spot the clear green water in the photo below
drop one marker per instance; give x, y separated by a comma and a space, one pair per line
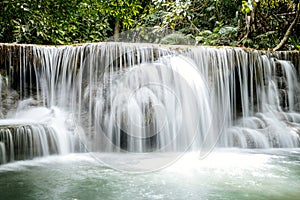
224, 174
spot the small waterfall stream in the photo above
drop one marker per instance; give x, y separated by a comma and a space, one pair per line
117, 97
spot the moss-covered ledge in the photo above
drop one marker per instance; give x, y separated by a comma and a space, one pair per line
13, 47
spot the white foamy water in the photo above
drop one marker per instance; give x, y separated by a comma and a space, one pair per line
118, 97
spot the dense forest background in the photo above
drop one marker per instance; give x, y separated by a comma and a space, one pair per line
260, 24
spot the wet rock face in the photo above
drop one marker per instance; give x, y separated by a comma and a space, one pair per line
9, 98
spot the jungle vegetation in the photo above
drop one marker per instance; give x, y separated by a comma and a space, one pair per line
260, 24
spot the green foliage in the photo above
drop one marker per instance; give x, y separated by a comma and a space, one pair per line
267, 21
276, 3
294, 42
172, 12
251, 23
263, 41
245, 7
191, 17
122, 10
52, 21
221, 35
178, 39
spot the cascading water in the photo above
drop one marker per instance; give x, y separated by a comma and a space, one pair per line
2, 153
35, 132
254, 95
140, 97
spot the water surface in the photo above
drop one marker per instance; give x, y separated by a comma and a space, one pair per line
224, 174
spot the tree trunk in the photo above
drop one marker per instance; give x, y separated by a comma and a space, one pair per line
117, 30
288, 32
254, 16
247, 27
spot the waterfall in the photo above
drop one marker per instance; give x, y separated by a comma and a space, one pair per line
144, 98
2, 153
163, 105
34, 132
255, 95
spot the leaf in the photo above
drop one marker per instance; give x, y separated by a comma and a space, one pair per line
205, 33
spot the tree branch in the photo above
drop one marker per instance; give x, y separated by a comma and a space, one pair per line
288, 32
